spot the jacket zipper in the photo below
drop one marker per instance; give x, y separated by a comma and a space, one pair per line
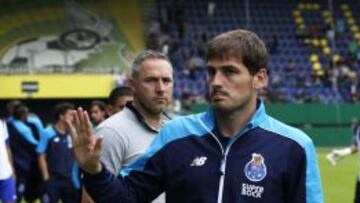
222, 165
223, 160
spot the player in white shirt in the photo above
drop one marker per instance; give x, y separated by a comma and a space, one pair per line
7, 181
335, 155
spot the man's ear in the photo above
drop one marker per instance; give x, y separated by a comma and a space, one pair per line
131, 82
261, 79
109, 110
61, 117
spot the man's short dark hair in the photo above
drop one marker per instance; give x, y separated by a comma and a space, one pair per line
62, 108
119, 92
10, 106
19, 111
98, 103
242, 45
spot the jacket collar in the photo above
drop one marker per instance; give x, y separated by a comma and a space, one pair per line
257, 118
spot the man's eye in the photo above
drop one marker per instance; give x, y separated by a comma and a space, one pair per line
167, 81
229, 72
151, 80
211, 72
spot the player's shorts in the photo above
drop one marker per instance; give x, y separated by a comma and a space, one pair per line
33, 185
7, 190
63, 189
28, 184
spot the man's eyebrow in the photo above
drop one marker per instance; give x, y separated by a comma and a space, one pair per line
228, 67
222, 67
152, 77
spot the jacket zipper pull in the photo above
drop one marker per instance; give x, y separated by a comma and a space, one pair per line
222, 166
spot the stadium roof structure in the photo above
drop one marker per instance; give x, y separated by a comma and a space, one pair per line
85, 31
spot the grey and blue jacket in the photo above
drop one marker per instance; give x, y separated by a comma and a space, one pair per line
267, 161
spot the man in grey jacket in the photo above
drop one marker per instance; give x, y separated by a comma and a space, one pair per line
128, 133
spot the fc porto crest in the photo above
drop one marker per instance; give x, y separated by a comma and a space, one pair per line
255, 169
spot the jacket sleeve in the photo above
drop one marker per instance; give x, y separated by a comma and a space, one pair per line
314, 193
137, 186
303, 184
141, 181
104, 187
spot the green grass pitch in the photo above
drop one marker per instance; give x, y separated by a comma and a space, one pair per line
338, 181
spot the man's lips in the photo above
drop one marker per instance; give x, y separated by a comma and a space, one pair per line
218, 94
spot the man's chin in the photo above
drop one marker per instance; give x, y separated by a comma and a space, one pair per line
218, 103
159, 109
220, 107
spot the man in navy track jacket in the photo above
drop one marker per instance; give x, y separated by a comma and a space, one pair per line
234, 152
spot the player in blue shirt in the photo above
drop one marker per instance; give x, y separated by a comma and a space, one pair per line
25, 131
58, 167
233, 153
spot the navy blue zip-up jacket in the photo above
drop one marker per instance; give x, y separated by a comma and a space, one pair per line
267, 161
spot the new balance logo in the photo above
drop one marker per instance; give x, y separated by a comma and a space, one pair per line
199, 161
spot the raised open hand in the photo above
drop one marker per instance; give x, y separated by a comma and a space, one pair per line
86, 147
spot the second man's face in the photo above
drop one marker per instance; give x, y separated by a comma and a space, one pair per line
96, 114
121, 102
153, 86
68, 115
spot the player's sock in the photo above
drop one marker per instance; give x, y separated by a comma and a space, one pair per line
332, 158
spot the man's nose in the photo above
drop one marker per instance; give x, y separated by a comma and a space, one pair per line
216, 79
160, 86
